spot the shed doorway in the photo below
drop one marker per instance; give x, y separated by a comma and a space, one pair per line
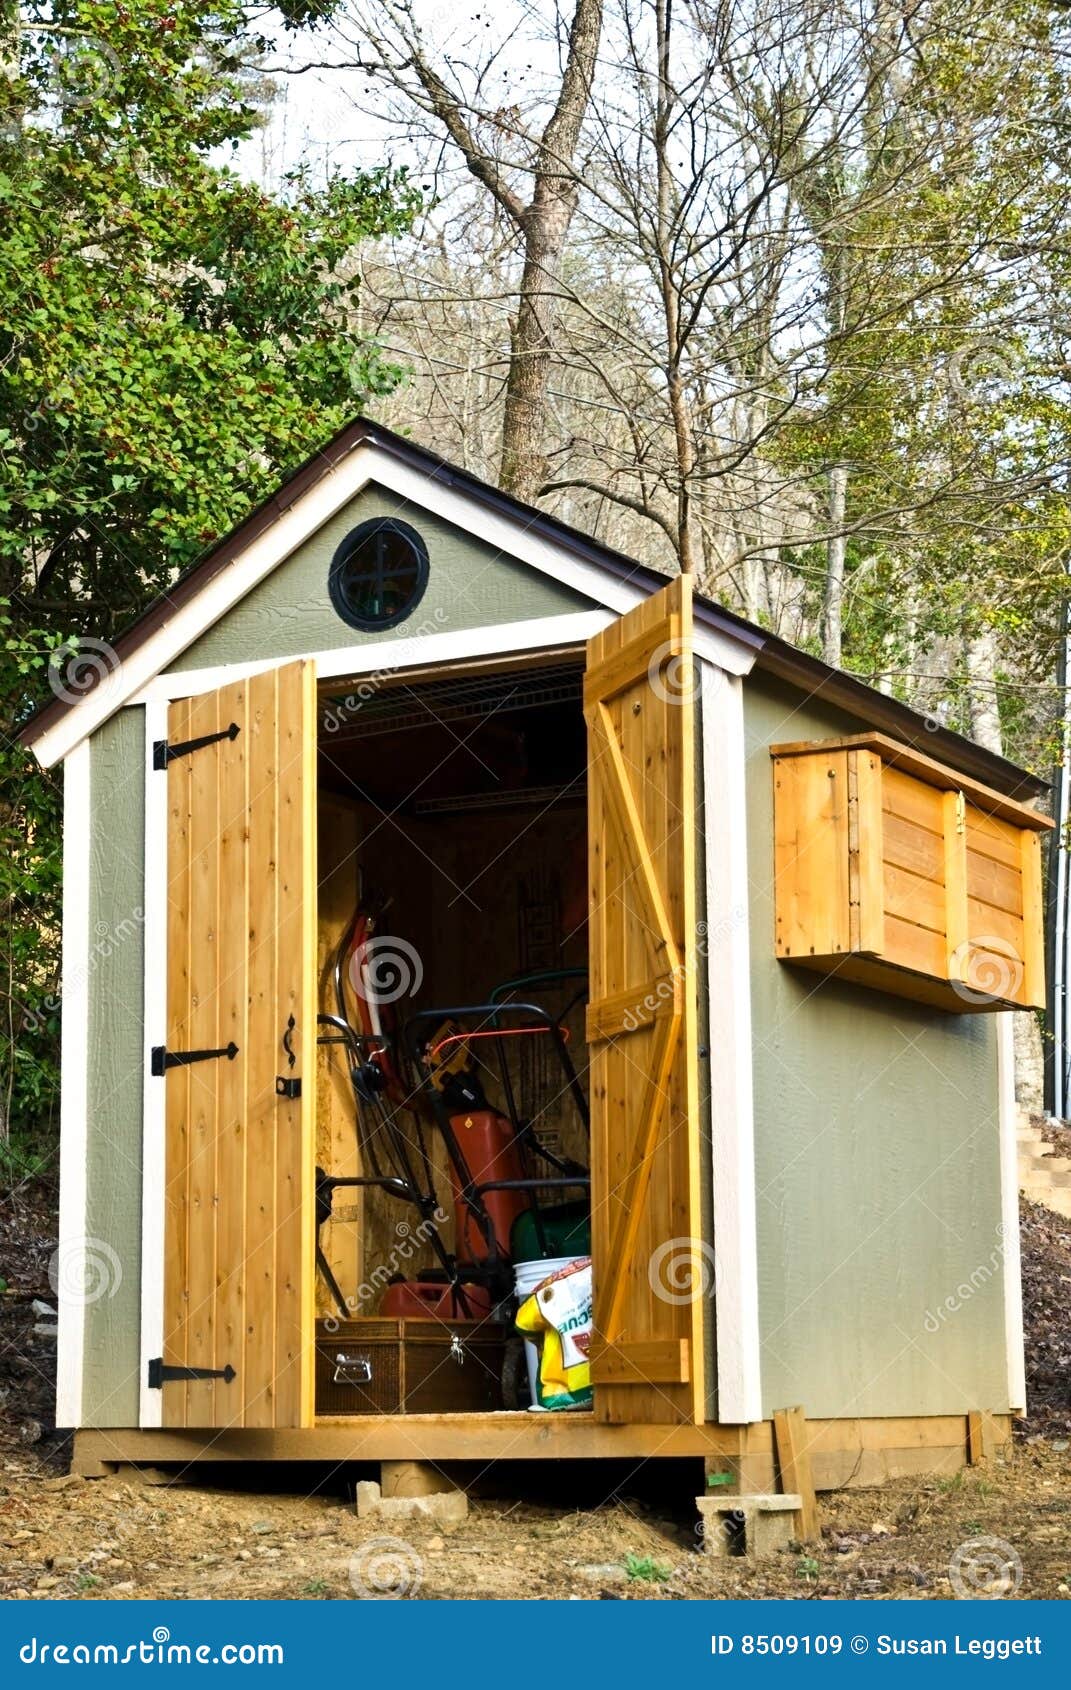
452, 1074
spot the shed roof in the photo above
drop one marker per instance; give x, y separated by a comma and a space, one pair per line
772, 654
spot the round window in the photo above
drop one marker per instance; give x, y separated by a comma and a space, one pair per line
378, 574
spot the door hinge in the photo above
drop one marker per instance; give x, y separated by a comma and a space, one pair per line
160, 1375
162, 1059
163, 753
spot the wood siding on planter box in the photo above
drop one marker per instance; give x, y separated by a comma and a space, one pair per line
648, 1359
895, 872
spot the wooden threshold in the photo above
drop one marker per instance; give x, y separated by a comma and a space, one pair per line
842, 1452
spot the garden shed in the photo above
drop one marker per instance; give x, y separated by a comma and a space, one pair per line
786, 917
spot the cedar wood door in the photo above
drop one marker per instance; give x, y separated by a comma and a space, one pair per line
239, 1210
651, 1265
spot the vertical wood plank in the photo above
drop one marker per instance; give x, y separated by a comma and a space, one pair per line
204, 1077
794, 1466
811, 855
1033, 983
866, 872
957, 931
263, 1034
234, 965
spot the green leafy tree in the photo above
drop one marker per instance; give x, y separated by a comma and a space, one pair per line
172, 340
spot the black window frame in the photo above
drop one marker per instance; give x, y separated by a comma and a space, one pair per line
376, 526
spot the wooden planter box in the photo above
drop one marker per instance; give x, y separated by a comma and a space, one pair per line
893, 871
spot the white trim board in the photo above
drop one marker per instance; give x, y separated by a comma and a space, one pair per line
1008, 1116
386, 656
154, 1032
71, 1254
728, 952
366, 463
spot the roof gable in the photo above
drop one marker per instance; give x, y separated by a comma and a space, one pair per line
364, 453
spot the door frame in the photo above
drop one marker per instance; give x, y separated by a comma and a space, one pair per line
727, 956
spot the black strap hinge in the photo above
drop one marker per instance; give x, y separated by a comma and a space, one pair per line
163, 754
159, 1375
162, 1059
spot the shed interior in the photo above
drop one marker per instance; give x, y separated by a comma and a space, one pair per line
452, 861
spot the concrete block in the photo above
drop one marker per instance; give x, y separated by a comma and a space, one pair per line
446, 1508
754, 1526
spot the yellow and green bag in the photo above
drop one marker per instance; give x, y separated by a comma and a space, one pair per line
558, 1313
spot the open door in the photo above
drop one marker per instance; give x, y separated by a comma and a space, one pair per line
240, 766
650, 1260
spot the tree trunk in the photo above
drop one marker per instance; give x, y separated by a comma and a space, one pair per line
545, 227
833, 597
524, 469
980, 660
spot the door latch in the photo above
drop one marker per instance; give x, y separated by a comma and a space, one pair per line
285, 1084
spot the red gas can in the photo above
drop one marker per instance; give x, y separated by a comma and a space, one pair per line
489, 1147
415, 1299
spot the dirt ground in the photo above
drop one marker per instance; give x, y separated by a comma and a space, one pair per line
591, 1532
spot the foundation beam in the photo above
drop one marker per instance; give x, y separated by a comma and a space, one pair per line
842, 1452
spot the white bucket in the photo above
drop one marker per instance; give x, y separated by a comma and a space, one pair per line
528, 1277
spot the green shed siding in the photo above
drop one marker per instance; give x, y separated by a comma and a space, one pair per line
115, 1079
877, 1164
470, 585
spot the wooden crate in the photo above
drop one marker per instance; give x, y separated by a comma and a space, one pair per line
374, 1365
893, 871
